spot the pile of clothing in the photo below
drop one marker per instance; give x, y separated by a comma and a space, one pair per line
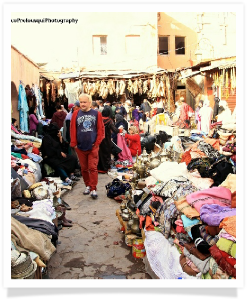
187, 211
38, 211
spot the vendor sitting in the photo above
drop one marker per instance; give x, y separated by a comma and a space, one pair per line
54, 155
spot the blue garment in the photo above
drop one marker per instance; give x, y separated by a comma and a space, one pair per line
188, 223
23, 108
86, 134
39, 107
34, 157
135, 114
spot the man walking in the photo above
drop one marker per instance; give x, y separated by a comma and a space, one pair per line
86, 132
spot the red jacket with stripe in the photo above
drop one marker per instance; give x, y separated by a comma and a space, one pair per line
73, 128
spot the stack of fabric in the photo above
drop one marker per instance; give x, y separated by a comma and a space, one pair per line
189, 215
194, 217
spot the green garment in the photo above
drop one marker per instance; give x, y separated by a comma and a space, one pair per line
17, 155
206, 276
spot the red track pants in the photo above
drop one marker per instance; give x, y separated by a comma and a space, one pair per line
89, 163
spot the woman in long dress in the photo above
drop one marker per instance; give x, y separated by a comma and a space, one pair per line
206, 113
105, 146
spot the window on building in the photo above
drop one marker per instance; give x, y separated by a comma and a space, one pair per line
180, 45
163, 45
133, 45
100, 45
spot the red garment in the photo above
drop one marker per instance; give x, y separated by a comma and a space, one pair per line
149, 223
154, 112
35, 150
186, 157
222, 261
233, 202
100, 130
24, 156
59, 117
89, 163
184, 112
230, 259
88, 159
134, 143
180, 229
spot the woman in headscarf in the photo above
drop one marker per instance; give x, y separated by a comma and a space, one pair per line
54, 155
105, 146
33, 121
120, 121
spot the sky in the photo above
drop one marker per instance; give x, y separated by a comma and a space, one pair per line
46, 42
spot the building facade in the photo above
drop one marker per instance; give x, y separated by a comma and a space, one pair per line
117, 41
22, 69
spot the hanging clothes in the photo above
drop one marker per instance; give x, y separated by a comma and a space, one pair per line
23, 108
53, 92
38, 96
72, 91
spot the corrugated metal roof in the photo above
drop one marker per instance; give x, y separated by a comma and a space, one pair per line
219, 65
192, 74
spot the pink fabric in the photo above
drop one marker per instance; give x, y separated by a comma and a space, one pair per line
192, 265
184, 112
215, 195
125, 154
14, 129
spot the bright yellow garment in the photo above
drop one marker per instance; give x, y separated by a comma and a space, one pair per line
227, 245
161, 119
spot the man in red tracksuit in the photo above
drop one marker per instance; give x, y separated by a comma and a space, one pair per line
87, 131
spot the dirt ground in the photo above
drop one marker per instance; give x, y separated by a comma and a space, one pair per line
94, 248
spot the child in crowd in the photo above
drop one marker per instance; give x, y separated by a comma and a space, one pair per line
133, 141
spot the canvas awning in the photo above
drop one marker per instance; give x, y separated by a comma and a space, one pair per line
193, 87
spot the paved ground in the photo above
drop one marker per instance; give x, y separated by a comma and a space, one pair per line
87, 249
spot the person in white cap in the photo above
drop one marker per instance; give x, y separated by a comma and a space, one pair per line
224, 113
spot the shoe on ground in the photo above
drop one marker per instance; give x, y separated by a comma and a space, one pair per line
74, 178
93, 194
87, 191
69, 182
77, 174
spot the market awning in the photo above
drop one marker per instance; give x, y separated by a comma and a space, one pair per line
219, 65
188, 75
69, 75
193, 87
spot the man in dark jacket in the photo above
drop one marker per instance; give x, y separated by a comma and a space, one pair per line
145, 107
121, 110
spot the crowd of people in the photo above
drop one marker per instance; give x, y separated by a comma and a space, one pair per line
86, 139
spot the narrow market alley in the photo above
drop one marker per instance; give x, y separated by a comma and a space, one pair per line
94, 248
123, 152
